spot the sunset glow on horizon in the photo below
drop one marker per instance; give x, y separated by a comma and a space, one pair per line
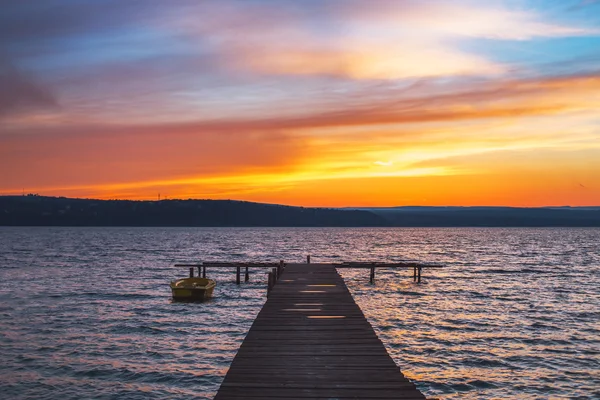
340, 103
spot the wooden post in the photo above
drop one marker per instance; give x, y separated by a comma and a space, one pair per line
372, 278
419, 276
414, 274
204, 271
199, 271
247, 277
275, 277
237, 274
191, 272
279, 270
308, 259
269, 283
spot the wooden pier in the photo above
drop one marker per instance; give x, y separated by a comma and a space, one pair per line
276, 268
312, 341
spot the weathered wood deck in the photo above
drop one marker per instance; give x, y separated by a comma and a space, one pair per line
311, 341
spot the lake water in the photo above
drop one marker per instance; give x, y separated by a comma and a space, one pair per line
86, 312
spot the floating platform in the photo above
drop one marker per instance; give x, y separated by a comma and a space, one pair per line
312, 341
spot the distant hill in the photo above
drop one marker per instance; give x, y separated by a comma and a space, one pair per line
489, 216
33, 210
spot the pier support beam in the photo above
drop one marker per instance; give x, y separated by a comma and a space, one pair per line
419, 276
191, 272
204, 271
372, 278
269, 283
308, 259
237, 274
414, 274
247, 277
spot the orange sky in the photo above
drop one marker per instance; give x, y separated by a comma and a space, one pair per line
374, 107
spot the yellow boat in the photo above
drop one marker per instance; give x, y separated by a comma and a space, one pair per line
192, 288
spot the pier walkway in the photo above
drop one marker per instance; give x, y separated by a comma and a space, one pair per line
312, 341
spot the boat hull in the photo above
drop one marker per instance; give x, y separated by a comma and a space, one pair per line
192, 289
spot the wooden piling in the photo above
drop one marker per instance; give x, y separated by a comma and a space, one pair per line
308, 259
237, 274
247, 276
281, 266
269, 283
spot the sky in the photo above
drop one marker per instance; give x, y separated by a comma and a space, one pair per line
313, 102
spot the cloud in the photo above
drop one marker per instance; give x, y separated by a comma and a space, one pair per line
398, 60
367, 40
419, 103
24, 22
280, 150
83, 155
289, 42
488, 99
19, 92
442, 20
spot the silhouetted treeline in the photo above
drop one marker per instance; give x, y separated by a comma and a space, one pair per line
60, 211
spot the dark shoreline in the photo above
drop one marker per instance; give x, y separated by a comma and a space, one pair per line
33, 210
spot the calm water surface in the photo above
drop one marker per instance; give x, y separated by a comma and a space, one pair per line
86, 312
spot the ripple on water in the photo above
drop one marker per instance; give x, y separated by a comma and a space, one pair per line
508, 318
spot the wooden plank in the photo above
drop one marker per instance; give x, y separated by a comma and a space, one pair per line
312, 341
